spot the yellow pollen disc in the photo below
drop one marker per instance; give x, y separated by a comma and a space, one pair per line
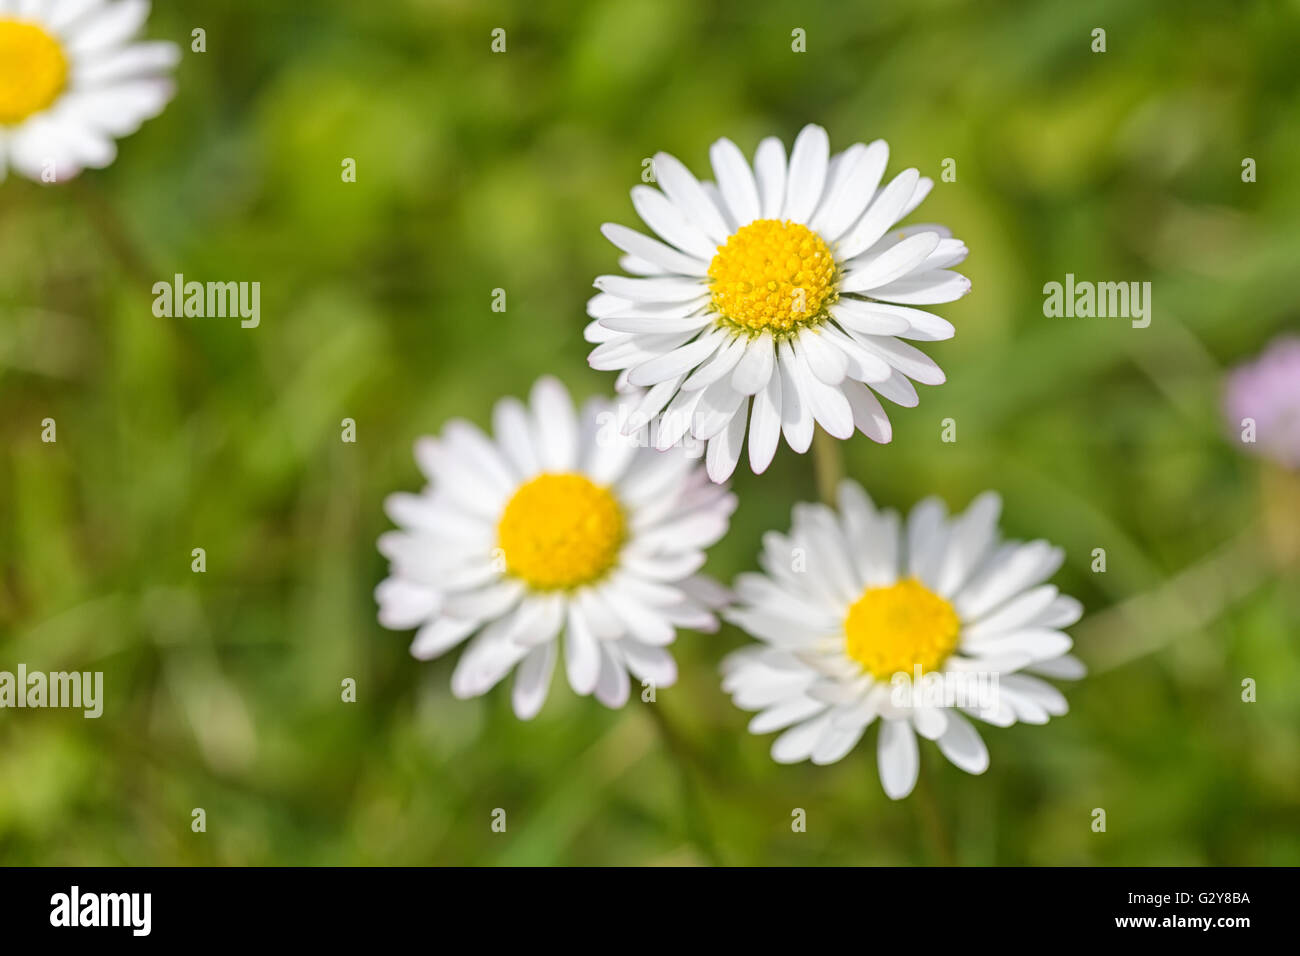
895, 628
33, 70
773, 275
560, 531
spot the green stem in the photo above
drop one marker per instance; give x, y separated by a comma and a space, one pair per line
113, 233
684, 756
931, 818
828, 465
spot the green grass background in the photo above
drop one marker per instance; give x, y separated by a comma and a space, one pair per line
479, 171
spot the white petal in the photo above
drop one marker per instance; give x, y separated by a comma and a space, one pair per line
485, 660
581, 655
556, 425
1020, 611
404, 604
862, 363
929, 722
659, 213
765, 425
898, 758
1042, 693
754, 369
868, 415
769, 174
539, 619
852, 192
656, 325
973, 536
884, 211
652, 250
136, 60
796, 412
486, 602
927, 534
807, 176
600, 619
799, 742
514, 436
925, 288
829, 407
962, 745
653, 290
114, 23
533, 681
439, 636
725, 447
689, 197
897, 388
735, 181
784, 712
1015, 568
717, 366
1039, 643
824, 359
836, 743
679, 361
719, 404
897, 262
650, 664
1062, 612
923, 187
908, 359
1060, 668
868, 317
612, 687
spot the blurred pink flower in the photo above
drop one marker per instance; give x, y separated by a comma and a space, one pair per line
1267, 390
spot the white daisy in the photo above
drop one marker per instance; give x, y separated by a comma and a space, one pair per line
556, 524
782, 283
851, 601
72, 81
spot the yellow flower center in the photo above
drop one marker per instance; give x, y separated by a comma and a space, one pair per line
773, 275
33, 70
895, 628
561, 530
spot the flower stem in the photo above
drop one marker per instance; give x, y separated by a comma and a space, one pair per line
931, 817
686, 759
828, 465
118, 241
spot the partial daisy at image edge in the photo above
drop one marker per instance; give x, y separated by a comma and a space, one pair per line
73, 80
777, 298
556, 528
873, 595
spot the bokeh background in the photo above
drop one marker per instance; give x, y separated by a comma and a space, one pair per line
479, 171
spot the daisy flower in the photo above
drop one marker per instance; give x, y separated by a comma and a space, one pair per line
851, 601
72, 81
557, 524
775, 299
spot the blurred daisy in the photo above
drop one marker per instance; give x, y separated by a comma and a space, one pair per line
1267, 393
776, 298
556, 525
851, 601
72, 81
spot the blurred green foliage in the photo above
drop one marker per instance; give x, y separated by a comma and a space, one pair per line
479, 171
